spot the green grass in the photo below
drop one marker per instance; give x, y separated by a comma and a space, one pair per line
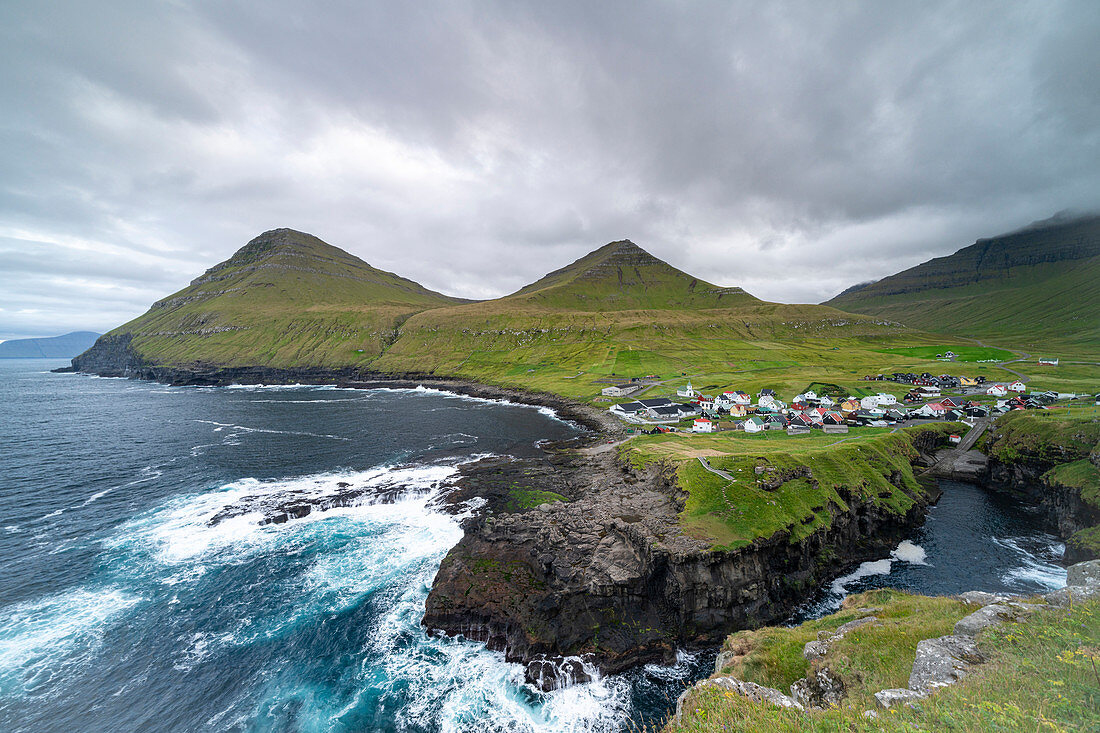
870, 658
804, 481
520, 500
1082, 475
1057, 436
1039, 675
963, 352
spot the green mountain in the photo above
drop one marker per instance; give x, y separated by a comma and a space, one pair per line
623, 276
54, 347
288, 300
284, 299
618, 311
1038, 283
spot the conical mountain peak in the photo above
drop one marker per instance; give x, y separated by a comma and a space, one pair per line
623, 276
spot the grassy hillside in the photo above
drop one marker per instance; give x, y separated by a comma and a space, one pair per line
802, 480
1040, 675
284, 299
287, 299
1037, 288
620, 312
622, 276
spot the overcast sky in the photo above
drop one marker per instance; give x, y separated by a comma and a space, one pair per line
792, 149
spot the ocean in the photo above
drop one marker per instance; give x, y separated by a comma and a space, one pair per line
139, 591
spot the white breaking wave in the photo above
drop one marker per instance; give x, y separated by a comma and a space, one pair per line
1033, 571
910, 553
421, 389
906, 551
52, 636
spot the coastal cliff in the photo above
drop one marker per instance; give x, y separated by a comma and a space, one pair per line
1052, 458
578, 556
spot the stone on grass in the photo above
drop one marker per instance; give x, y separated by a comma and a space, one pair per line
897, 697
1084, 573
942, 661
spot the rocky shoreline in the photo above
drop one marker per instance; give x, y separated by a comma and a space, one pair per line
607, 574
602, 575
573, 560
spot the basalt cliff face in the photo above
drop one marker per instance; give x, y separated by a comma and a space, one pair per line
1056, 463
609, 576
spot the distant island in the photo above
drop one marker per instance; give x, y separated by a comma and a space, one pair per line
52, 347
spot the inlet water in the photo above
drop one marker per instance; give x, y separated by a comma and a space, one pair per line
124, 606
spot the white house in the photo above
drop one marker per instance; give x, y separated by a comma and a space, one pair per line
754, 425
706, 405
686, 391
619, 390
1049, 361
997, 390
1018, 386
929, 392
933, 409
726, 399
770, 401
878, 400
825, 401
702, 425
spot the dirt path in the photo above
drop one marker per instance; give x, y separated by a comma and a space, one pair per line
605, 447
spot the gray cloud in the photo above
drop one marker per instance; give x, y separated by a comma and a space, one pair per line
793, 149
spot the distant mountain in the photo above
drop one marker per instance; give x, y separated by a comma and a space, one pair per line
54, 347
623, 276
284, 299
1039, 281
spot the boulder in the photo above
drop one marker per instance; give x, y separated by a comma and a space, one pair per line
819, 690
750, 690
981, 598
992, 615
942, 661
1072, 594
1084, 574
897, 697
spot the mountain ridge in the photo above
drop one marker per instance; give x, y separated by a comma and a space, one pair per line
64, 346
1042, 277
287, 300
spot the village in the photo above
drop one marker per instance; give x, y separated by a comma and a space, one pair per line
932, 397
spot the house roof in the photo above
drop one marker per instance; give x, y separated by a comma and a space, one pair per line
671, 410
630, 406
656, 402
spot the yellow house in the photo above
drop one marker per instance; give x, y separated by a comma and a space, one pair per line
738, 410
968, 382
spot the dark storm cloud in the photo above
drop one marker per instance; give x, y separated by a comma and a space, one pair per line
793, 149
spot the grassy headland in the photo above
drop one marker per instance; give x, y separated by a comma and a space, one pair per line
1040, 675
792, 485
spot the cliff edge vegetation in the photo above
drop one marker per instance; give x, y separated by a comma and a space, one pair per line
1054, 457
1039, 674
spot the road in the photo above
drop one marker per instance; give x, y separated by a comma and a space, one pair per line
946, 463
1020, 356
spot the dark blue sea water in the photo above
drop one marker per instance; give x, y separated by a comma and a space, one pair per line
123, 608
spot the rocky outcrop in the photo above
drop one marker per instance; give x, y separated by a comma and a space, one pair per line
610, 575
